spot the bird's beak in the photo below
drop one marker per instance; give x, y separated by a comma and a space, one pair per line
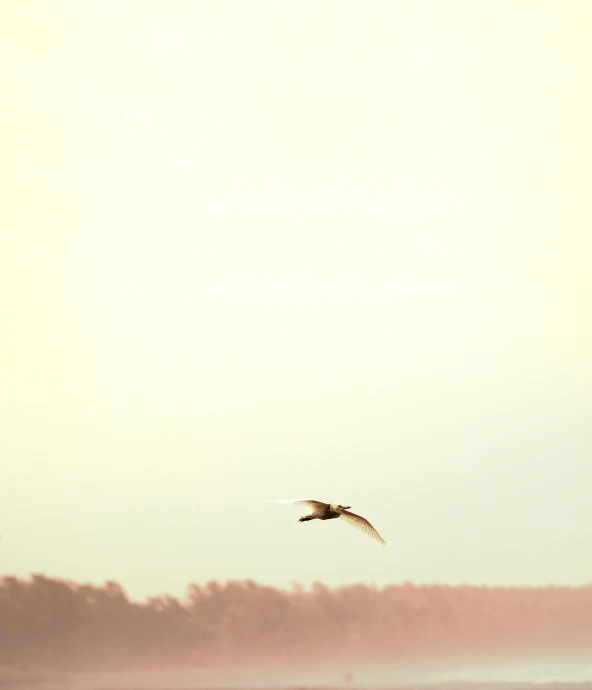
346, 507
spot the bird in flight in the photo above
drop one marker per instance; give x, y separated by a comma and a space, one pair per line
330, 511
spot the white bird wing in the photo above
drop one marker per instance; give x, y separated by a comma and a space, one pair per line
363, 524
309, 502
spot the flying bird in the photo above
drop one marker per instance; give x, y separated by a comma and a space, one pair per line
330, 511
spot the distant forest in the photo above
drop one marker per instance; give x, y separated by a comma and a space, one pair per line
55, 623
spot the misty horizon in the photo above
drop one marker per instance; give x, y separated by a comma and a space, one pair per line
62, 624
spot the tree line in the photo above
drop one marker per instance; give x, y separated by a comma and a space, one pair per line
62, 624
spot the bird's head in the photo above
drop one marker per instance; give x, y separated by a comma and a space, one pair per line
343, 507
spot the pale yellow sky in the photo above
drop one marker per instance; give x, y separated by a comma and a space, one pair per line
263, 249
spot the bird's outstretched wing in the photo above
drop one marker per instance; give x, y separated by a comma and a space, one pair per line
363, 524
309, 502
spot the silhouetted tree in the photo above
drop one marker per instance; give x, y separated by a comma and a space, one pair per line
51, 622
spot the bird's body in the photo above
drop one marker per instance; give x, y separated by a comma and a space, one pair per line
330, 511
322, 511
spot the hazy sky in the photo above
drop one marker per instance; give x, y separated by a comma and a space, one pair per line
268, 249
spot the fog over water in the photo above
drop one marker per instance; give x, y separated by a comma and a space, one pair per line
243, 632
